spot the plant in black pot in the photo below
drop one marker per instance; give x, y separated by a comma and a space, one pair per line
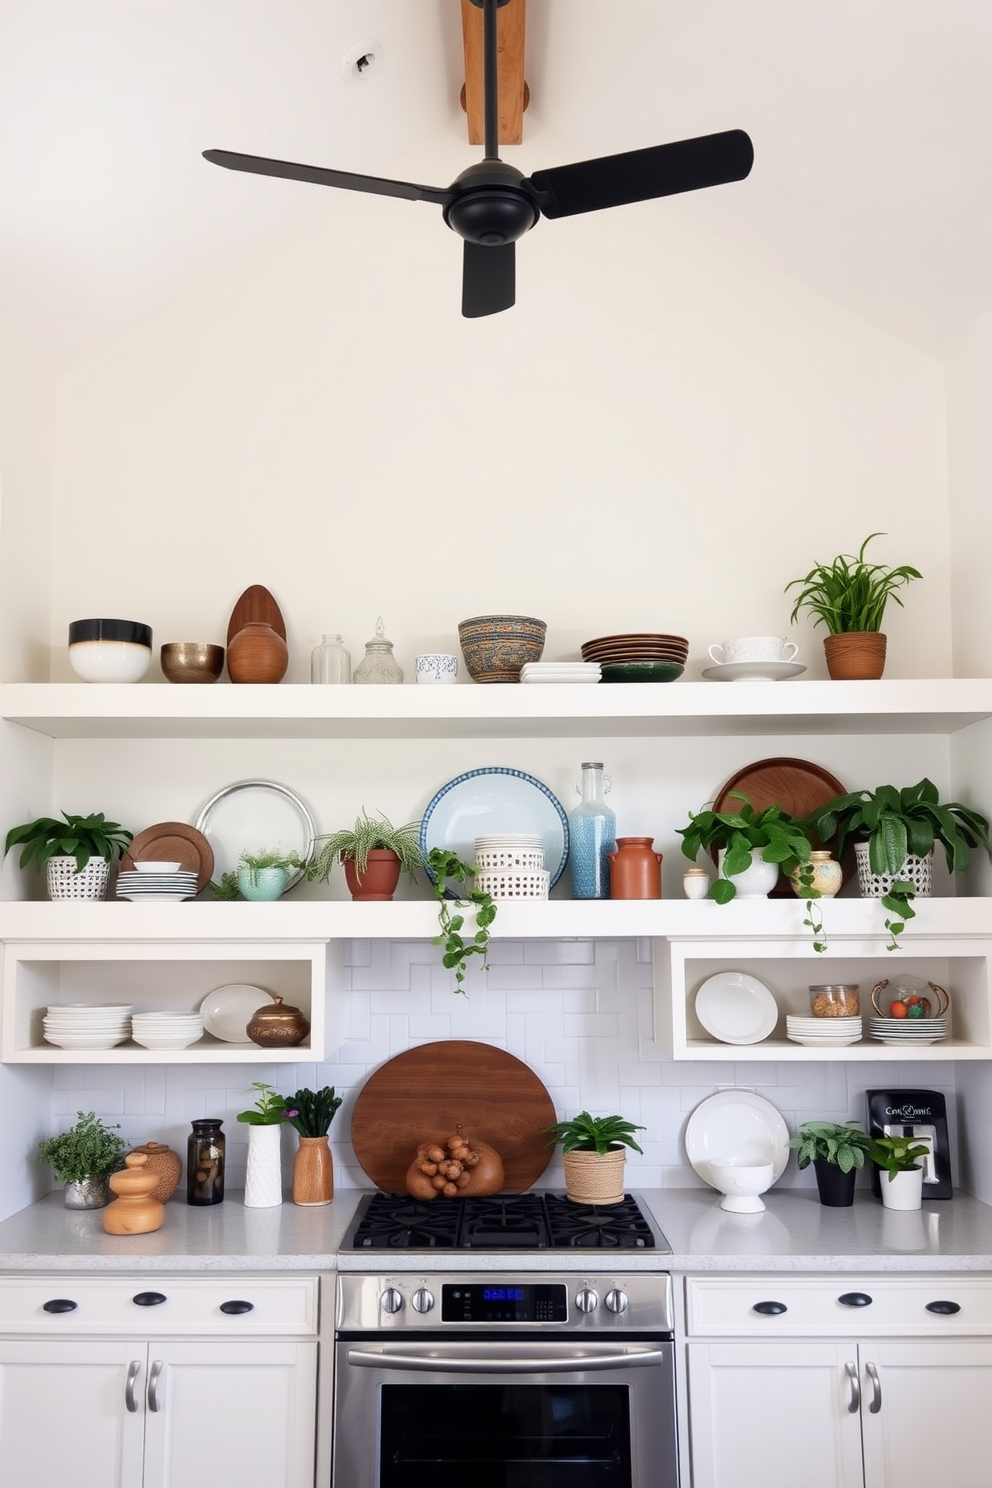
848, 595
836, 1152
894, 832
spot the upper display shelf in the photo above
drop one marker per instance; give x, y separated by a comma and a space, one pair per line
73, 710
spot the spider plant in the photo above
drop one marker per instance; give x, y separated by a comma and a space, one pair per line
849, 593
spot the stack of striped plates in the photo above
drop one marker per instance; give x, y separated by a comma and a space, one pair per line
908, 1030
179, 884
824, 1033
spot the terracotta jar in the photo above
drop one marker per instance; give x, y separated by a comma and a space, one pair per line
166, 1165
134, 1211
382, 874
313, 1172
635, 869
257, 654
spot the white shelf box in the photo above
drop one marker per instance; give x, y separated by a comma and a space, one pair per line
166, 976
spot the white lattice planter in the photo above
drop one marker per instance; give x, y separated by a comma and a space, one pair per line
263, 1179
917, 871
65, 883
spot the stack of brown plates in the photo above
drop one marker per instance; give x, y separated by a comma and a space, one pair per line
638, 657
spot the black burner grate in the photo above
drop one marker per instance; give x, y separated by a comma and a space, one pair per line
527, 1221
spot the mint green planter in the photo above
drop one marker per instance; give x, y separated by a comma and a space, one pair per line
262, 883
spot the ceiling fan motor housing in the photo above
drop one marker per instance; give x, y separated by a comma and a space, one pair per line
491, 205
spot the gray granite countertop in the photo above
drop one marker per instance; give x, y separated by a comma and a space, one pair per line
795, 1233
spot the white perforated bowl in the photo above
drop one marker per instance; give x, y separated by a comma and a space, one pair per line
514, 884
509, 859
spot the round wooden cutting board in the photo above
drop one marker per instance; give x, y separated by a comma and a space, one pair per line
423, 1094
797, 785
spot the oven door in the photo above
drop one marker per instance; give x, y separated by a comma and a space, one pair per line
484, 1414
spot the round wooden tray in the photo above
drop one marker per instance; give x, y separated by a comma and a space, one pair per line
798, 786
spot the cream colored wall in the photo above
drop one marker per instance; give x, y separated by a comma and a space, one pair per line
969, 460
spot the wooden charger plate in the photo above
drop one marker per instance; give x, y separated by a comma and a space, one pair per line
798, 786
173, 842
256, 606
425, 1093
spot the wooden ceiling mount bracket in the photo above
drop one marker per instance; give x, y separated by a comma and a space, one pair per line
514, 94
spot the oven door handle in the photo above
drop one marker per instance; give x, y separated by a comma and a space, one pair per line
565, 1362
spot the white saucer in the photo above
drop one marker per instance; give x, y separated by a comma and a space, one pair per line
753, 671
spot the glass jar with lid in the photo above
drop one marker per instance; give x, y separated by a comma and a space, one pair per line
205, 1162
379, 664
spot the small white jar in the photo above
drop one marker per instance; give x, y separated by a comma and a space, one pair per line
696, 883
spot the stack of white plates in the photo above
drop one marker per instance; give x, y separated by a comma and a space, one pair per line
166, 1030
560, 671
909, 1030
81, 1026
823, 1033
179, 884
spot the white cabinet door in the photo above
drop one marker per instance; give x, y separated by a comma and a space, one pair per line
931, 1424
64, 1417
774, 1415
230, 1413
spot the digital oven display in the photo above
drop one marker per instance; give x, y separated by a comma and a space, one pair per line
494, 1302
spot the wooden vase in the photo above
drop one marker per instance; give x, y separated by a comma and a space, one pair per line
313, 1172
134, 1211
855, 656
257, 654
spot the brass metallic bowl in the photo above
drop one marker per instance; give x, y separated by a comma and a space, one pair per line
192, 661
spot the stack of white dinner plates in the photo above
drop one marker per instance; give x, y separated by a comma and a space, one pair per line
81, 1026
166, 1030
560, 671
908, 1030
177, 884
822, 1033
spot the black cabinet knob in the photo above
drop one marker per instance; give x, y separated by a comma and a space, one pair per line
945, 1309
237, 1306
59, 1304
769, 1309
148, 1299
854, 1299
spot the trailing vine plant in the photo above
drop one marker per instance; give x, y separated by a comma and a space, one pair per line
448, 867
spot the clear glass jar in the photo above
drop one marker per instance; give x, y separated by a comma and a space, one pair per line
330, 662
205, 1151
379, 664
591, 835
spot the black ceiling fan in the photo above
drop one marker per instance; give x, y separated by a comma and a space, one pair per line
491, 203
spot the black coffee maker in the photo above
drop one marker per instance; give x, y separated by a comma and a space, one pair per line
922, 1115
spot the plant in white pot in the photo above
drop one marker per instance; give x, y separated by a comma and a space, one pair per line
265, 1121
899, 1158
75, 852
594, 1149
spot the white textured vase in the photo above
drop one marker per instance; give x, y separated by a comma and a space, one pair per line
263, 1180
64, 882
917, 871
904, 1191
755, 882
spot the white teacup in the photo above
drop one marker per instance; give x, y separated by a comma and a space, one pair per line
753, 648
436, 668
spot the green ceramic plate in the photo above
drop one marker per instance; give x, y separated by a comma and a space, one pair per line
641, 671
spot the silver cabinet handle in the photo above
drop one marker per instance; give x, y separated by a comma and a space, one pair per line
154, 1374
133, 1370
854, 1404
437, 1361
876, 1389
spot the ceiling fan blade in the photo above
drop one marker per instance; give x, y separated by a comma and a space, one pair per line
641, 175
489, 279
318, 175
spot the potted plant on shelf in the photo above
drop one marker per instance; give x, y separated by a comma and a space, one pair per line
373, 853
263, 1177
895, 832
446, 867
264, 874
594, 1151
83, 1158
836, 1152
310, 1113
899, 1158
76, 852
848, 596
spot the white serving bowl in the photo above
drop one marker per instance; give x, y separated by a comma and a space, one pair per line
167, 1041
147, 865
110, 650
741, 1183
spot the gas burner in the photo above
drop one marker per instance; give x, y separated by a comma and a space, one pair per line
405, 1224
502, 1223
598, 1226
526, 1221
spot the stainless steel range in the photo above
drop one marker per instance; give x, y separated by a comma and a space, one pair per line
506, 1377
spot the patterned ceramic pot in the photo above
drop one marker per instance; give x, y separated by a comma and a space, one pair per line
495, 647
65, 883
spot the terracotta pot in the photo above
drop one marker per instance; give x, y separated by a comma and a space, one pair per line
257, 654
313, 1172
595, 1177
635, 869
855, 656
134, 1211
380, 878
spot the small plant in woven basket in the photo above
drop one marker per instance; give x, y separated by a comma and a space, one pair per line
594, 1149
447, 867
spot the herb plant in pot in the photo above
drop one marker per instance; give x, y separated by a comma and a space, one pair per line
899, 1158
848, 596
263, 1178
310, 1113
594, 1151
836, 1152
83, 1158
373, 853
76, 852
265, 875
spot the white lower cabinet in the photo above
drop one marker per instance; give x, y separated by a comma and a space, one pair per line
169, 1412
852, 1411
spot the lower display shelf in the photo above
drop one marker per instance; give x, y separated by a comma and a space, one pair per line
866, 1049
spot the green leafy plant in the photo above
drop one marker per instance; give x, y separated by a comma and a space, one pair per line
226, 887
850, 594
896, 822
897, 1154
90, 1149
288, 862
312, 1111
268, 1109
368, 834
845, 1146
585, 1133
79, 837
447, 867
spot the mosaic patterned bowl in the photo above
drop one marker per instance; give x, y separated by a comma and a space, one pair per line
495, 647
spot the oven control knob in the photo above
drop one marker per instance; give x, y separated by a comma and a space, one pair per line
616, 1300
587, 1300
423, 1300
391, 1300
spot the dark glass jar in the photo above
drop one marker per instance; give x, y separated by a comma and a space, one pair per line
205, 1163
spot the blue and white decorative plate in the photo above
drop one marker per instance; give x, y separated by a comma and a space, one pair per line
483, 802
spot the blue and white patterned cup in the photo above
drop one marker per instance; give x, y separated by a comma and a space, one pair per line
436, 667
